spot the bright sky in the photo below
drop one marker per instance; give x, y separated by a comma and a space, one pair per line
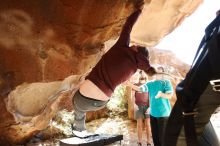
185, 39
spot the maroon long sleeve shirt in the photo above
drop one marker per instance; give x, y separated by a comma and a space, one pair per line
120, 62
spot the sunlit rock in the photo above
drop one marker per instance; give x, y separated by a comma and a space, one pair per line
161, 17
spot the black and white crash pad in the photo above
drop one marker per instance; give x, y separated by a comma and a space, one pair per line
96, 140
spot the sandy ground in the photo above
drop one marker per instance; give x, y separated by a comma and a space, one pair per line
106, 126
118, 125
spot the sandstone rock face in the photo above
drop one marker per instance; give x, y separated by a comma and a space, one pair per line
161, 17
172, 65
48, 47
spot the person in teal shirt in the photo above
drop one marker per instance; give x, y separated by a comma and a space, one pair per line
160, 91
160, 105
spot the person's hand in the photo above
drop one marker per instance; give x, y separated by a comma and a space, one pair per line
135, 107
127, 83
159, 94
139, 4
147, 111
151, 71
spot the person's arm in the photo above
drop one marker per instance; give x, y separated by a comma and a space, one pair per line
135, 105
142, 88
134, 87
144, 64
124, 38
164, 95
168, 91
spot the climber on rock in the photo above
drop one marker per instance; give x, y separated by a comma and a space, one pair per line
114, 68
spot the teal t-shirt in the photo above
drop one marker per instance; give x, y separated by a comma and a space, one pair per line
159, 107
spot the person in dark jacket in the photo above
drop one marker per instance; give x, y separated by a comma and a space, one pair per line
114, 68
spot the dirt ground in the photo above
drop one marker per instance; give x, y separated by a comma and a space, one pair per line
105, 126
117, 125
